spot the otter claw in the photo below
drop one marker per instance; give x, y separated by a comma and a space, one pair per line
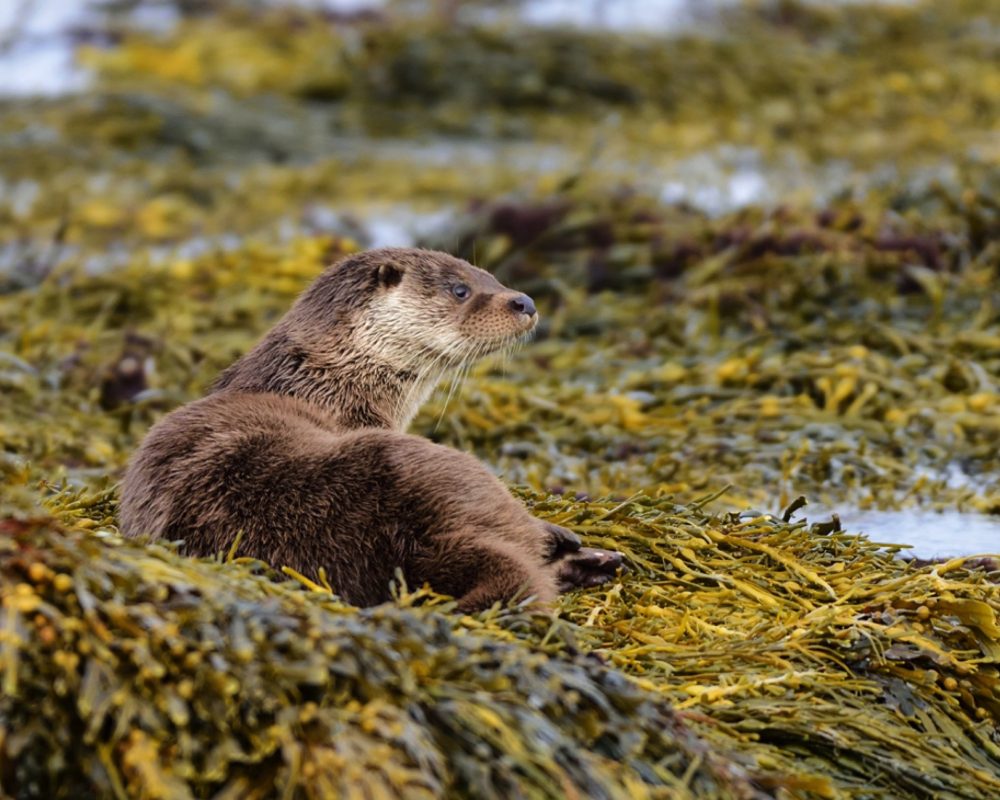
562, 541
588, 567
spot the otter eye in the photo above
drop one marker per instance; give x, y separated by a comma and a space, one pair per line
461, 291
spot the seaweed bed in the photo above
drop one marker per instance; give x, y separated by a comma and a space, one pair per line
844, 347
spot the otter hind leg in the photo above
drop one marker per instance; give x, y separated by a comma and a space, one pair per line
503, 588
587, 567
480, 574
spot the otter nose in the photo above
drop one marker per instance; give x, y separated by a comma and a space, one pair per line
522, 304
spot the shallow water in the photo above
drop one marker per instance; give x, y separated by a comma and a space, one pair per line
932, 534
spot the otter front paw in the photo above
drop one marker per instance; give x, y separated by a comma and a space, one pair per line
588, 567
562, 541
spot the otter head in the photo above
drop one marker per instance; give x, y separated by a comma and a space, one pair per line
373, 335
419, 310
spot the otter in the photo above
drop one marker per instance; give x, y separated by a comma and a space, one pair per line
300, 449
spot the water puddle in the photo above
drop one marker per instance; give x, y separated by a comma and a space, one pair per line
932, 534
374, 225
659, 16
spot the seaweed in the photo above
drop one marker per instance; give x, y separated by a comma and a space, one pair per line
838, 347
156, 675
762, 655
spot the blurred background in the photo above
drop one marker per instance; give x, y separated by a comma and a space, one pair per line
764, 236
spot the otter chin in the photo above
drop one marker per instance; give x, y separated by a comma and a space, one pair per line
300, 446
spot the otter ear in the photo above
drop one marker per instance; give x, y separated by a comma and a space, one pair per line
389, 275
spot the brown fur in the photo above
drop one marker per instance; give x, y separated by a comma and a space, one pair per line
300, 446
